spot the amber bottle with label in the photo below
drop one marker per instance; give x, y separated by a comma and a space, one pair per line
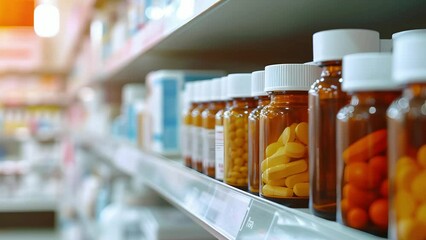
407, 138
325, 99
258, 92
235, 124
284, 134
209, 121
187, 124
197, 126
218, 130
362, 197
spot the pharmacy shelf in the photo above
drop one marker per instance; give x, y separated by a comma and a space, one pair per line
33, 204
224, 211
246, 35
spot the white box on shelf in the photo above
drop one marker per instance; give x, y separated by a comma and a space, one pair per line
165, 89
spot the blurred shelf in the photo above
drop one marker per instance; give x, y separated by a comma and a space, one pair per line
33, 204
224, 211
247, 35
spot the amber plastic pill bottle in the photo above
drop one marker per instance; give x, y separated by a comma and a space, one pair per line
407, 138
187, 124
209, 120
284, 134
325, 99
235, 124
197, 126
362, 196
219, 135
258, 92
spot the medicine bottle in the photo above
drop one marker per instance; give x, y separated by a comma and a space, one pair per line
325, 99
258, 92
197, 124
235, 124
362, 197
186, 131
219, 134
284, 134
407, 138
209, 121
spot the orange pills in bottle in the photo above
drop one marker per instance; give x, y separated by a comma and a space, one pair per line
362, 142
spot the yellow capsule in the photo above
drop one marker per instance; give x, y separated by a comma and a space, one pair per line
410, 229
238, 161
231, 180
294, 150
405, 176
405, 161
302, 132
301, 189
279, 182
285, 170
277, 158
272, 148
239, 122
243, 169
421, 156
240, 133
264, 179
421, 213
405, 205
418, 186
288, 135
274, 191
241, 181
297, 178
235, 174
239, 151
238, 142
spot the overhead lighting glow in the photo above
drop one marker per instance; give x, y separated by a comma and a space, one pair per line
46, 20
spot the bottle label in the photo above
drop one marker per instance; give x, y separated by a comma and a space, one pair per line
219, 153
209, 148
186, 140
197, 144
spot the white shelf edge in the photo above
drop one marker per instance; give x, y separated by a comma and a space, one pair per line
18, 204
226, 212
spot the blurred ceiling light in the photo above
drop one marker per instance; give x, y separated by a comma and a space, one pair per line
46, 20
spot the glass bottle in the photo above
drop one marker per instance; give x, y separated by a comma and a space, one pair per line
257, 91
187, 125
209, 121
283, 134
325, 99
219, 134
362, 142
407, 138
235, 124
197, 122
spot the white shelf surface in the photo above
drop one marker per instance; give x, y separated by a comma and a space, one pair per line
37, 204
246, 35
224, 211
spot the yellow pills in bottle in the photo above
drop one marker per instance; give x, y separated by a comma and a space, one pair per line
302, 132
272, 148
277, 191
294, 150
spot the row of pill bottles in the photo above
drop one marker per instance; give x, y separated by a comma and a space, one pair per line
283, 134
361, 142
407, 138
326, 98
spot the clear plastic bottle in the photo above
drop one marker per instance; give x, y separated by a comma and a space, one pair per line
407, 138
209, 121
219, 135
187, 124
197, 122
235, 124
325, 99
258, 92
362, 197
284, 134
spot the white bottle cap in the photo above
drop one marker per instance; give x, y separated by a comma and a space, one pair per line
133, 92
216, 89
368, 72
334, 44
189, 87
258, 84
205, 93
409, 56
290, 77
239, 85
385, 45
224, 88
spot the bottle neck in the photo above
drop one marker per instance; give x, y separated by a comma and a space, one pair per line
289, 96
331, 69
244, 102
374, 97
415, 90
263, 101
